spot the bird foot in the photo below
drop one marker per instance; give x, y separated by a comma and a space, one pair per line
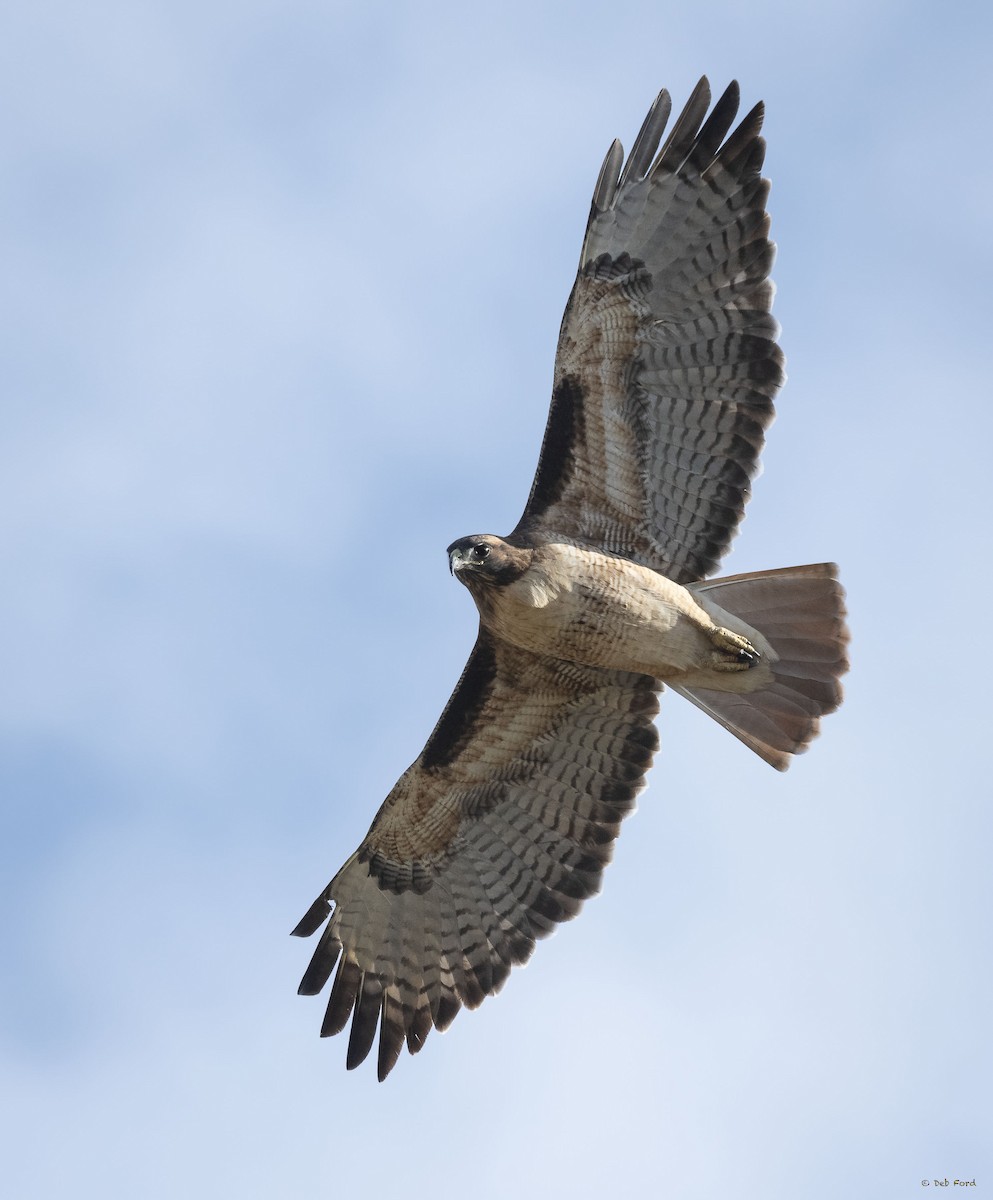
732, 652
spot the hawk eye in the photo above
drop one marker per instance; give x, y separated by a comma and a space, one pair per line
480, 552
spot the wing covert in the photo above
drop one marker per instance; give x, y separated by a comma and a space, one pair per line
500, 830
667, 362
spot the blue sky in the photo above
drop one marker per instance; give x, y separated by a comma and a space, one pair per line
280, 295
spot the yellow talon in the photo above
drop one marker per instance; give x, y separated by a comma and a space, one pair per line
733, 652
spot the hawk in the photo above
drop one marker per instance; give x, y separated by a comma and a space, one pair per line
665, 373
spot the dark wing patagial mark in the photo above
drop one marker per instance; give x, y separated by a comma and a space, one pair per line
455, 725
563, 439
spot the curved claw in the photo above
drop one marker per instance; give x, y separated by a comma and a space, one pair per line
733, 652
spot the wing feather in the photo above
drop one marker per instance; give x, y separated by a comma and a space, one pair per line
645, 144
475, 855
682, 139
667, 363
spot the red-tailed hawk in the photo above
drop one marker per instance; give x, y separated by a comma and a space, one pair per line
664, 377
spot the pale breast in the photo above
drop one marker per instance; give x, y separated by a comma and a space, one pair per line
603, 611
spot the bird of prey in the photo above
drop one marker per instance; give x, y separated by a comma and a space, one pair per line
665, 373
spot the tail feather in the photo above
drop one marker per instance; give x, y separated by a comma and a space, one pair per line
800, 612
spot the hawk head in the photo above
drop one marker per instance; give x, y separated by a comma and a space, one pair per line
483, 560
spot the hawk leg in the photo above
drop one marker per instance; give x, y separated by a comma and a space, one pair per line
731, 651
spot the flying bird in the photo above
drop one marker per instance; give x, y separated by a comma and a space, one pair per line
665, 373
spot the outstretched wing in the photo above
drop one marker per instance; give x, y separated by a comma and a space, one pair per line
500, 829
667, 362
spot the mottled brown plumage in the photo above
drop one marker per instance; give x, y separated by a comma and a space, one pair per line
664, 378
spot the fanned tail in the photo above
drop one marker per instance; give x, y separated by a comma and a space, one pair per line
800, 611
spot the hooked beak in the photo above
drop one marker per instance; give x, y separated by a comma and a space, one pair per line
456, 560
